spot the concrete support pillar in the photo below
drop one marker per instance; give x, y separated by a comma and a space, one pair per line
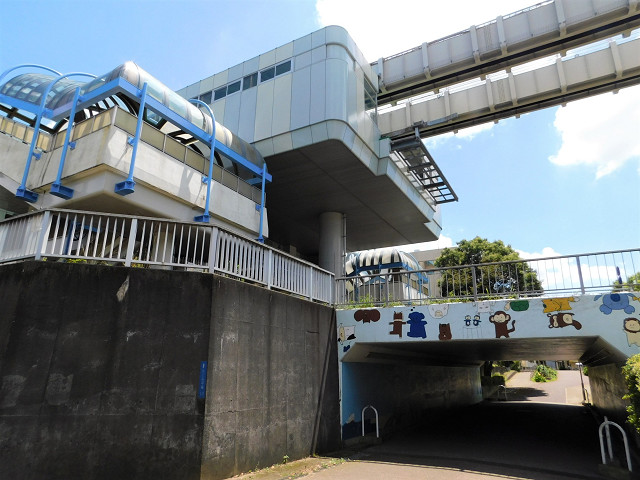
331, 248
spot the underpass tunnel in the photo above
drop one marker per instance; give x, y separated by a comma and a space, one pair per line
412, 383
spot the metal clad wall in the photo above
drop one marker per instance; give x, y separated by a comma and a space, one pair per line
318, 93
232, 112
282, 108
336, 89
218, 109
301, 97
248, 114
264, 111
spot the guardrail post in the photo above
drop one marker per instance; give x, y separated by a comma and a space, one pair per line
269, 266
213, 249
131, 243
310, 283
475, 283
580, 276
44, 231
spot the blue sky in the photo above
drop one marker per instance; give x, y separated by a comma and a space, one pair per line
559, 181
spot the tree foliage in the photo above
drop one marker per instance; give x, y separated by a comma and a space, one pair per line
631, 372
631, 285
490, 280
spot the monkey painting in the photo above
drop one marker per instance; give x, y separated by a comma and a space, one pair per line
500, 319
632, 329
563, 319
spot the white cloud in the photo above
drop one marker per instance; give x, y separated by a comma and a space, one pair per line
463, 134
546, 252
380, 30
442, 242
588, 137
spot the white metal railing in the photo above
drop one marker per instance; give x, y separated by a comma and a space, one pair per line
596, 273
153, 242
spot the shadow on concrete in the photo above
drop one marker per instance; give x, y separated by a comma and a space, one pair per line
530, 440
522, 394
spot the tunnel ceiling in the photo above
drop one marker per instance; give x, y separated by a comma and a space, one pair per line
589, 350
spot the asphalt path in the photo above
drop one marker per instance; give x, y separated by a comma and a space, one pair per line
540, 433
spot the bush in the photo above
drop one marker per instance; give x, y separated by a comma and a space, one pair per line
631, 372
544, 374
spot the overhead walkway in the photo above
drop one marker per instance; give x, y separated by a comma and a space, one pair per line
544, 29
535, 86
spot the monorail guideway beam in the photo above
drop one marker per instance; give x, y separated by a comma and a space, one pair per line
538, 31
511, 94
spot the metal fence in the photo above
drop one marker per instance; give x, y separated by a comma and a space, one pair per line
68, 235
601, 272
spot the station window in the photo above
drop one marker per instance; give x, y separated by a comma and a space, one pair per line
267, 74
219, 93
233, 87
250, 81
284, 67
206, 97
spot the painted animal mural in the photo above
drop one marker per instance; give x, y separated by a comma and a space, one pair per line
631, 327
438, 310
397, 324
517, 305
366, 316
345, 335
558, 304
563, 319
444, 330
417, 324
617, 301
472, 326
500, 320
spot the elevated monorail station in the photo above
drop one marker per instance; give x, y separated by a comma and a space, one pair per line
179, 270
311, 132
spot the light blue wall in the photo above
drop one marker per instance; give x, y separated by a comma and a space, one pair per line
590, 315
613, 317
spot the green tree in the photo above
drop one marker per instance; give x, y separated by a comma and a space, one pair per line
631, 372
490, 279
631, 285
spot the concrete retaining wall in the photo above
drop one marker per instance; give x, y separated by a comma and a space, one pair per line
99, 372
273, 387
607, 387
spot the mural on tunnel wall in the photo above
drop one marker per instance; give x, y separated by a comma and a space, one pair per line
614, 317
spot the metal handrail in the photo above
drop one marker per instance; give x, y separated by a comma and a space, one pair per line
597, 272
147, 242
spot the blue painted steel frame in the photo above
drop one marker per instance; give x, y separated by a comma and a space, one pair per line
57, 188
212, 147
120, 85
128, 186
22, 191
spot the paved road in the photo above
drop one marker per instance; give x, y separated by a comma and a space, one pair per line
566, 389
539, 437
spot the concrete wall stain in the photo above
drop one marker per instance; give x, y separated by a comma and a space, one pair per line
99, 373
